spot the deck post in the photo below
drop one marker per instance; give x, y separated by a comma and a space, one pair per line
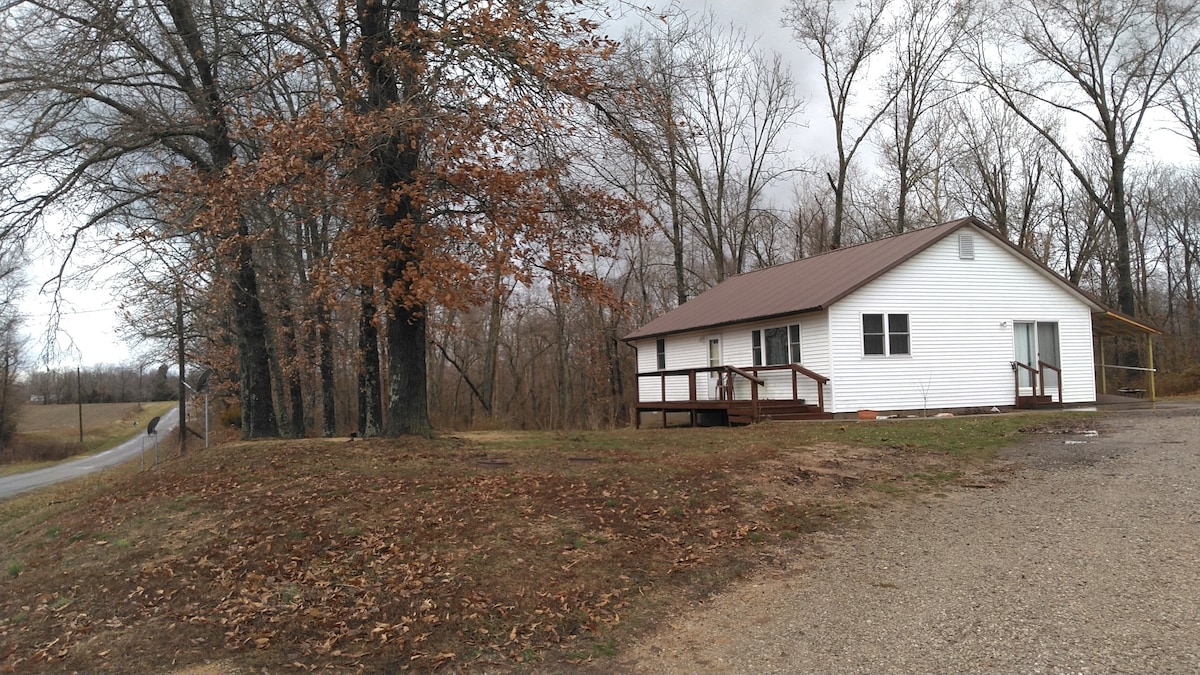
662, 379
692, 388
1150, 358
1103, 370
795, 387
820, 396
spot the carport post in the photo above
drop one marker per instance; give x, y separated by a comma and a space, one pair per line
1103, 369
1150, 357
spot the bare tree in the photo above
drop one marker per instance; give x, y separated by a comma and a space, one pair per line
741, 103
99, 95
1000, 172
927, 35
643, 111
700, 111
844, 47
1099, 63
11, 343
1184, 103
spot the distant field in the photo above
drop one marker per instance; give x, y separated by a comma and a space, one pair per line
39, 418
50, 433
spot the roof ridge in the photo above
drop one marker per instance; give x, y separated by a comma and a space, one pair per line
803, 285
957, 221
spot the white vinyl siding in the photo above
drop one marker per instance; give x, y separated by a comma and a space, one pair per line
960, 316
689, 350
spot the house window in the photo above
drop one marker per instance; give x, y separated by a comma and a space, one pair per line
885, 334
776, 346
660, 350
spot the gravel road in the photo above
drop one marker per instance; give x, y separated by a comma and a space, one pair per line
1086, 560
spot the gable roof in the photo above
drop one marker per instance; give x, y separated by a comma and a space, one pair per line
813, 284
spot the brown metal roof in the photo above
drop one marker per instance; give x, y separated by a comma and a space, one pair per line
813, 284
806, 285
1111, 322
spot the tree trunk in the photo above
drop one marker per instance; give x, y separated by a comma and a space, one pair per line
254, 374
325, 365
408, 404
295, 388
1119, 217
390, 51
491, 354
561, 353
370, 405
258, 409
839, 206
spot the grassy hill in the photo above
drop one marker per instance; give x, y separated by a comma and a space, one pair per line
473, 552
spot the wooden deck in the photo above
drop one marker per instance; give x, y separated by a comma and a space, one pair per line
726, 410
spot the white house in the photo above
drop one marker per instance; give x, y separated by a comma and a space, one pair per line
947, 317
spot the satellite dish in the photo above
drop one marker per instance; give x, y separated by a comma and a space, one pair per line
150, 427
203, 381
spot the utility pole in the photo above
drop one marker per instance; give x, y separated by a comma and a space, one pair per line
181, 356
79, 400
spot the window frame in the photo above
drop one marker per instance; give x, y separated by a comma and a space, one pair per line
887, 335
792, 346
660, 353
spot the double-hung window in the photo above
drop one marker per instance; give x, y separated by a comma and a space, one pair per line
660, 352
885, 334
776, 346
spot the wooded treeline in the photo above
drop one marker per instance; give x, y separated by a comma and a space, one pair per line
376, 217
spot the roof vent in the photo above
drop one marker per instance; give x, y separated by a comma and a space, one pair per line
966, 246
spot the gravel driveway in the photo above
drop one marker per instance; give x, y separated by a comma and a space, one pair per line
1087, 560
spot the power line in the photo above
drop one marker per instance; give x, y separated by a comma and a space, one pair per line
66, 313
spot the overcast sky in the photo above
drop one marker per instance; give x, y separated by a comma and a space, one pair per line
89, 323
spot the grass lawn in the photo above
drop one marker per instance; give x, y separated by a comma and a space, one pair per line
472, 552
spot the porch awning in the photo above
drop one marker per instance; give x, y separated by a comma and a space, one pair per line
1113, 323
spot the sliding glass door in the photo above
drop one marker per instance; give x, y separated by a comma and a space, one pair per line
1034, 341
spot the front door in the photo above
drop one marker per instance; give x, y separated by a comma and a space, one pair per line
1036, 341
714, 361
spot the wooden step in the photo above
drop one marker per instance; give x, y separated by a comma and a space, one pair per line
742, 412
1031, 402
799, 416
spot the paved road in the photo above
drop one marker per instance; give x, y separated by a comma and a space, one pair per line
131, 449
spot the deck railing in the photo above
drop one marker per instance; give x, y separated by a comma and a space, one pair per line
727, 378
797, 371
725, 382
1037, 378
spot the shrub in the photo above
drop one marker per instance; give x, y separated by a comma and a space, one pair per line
1177, 384
231, 416
33, 449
